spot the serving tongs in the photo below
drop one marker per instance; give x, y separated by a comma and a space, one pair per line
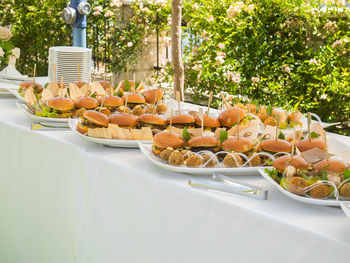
227, 185
49, 125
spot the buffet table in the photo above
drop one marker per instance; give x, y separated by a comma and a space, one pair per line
63, 199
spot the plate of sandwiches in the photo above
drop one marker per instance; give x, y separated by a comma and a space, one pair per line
96, 127
318, 174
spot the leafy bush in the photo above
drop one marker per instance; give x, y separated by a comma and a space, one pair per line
274, 51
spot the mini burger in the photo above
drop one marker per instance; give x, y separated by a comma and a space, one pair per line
296, 161
228, 117
109, 87
333, 165
208, 122
80, 84
134, 99
92, 119
62, 106
111, 102
152, 96
307, 144
181, 121
204, 143
275, 146
239, 145
165, 139
123, 120
86, 103
26, 84
152, 121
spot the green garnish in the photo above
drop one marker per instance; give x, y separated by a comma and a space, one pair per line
314, 135
223, 136
127, 85
47, 84
281, 136
324, 174
346, 174
269, 110
185, 134
93, 95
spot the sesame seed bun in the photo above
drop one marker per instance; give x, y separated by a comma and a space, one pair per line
111, 101
307, 144
182, 118
203, 141
229, 117
272, 145
208, 121
153, 95
333, 165
96, 117
241, 146
152, 119
166, 139
123, 119
297, 161
86, 103
61, 104
134, 98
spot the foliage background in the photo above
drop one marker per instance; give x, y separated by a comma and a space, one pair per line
280, 52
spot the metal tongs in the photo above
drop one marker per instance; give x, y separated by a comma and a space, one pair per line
227, 185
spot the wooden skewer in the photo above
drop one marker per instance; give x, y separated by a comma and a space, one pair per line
309, 125
154, 102
238, 125
202, 123
79, 72
34, 73
293, 140
126, 102
171, 120
224, 100
277, 127
144, 74
103, 101
178, 102
209, 102
325, 142
61, 87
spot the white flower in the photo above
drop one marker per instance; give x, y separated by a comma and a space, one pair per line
197, 67
323, 96
235, 9
108, 36
330, 26
195, 6
16, 52
98, 9
236, 77
314, 62
250, 8
109, 13
220, 59
2, 53
130, 44
96, 13
211, 19
255, 80
116, 3
5, 33
286, 68
221, 45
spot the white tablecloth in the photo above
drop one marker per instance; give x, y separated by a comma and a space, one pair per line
63, 199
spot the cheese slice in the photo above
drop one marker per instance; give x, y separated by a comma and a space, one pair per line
29, 96
270, 132
85, 89
75, 92
53, 87
97, 88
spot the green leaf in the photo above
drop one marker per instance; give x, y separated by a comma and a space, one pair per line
324, 174
269, 110
314, 135
185, 134
127, 85
93, 95
346, 174
223, 136
281, 136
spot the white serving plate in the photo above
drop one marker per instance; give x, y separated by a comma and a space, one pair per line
25, 110
308, 200
147, 150
16, 94
110, 142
